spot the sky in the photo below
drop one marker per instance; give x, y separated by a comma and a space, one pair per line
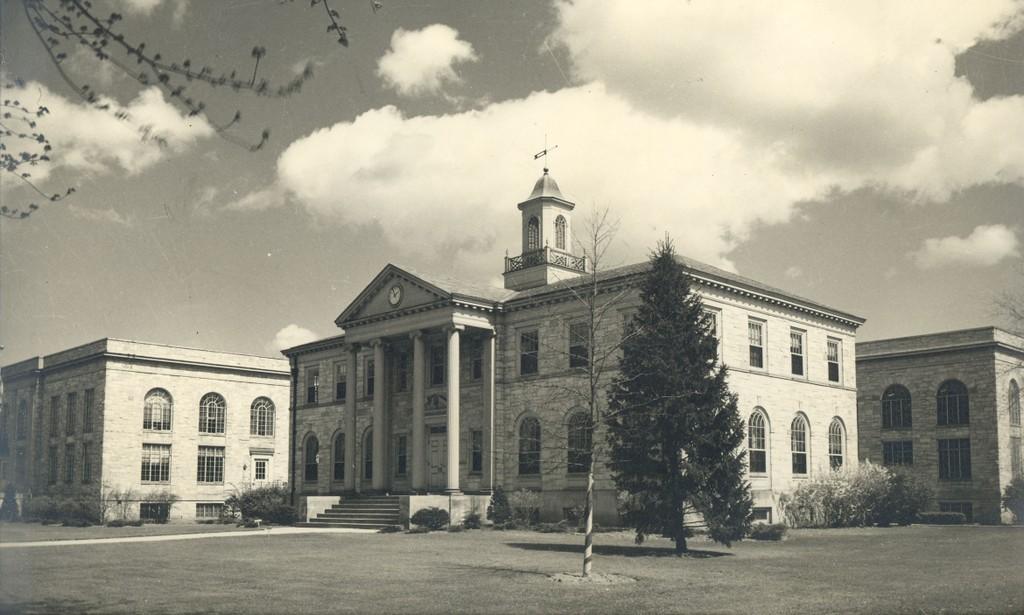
866, 155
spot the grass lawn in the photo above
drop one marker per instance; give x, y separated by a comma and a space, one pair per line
929, 569
27, 532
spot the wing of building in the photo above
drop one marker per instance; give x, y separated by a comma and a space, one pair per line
945, 407
145, 420
439, 386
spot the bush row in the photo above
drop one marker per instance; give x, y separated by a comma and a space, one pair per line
269, 504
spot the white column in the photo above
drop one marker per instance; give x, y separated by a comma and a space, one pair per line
488, 395
351, 471
419, 461
379, 440
453, 409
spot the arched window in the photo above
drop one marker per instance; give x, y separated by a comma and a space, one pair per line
261, 417
951, 403
560, 233
211, 413
798, 444
533, 234
580, 442
896, 408
529, 446
1014, 403
157, 411
835, 444
368, 454
312, 459
339, 456
757, 449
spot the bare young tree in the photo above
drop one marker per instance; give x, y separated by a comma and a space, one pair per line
596, 322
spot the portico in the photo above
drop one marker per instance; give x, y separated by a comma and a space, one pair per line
416, 410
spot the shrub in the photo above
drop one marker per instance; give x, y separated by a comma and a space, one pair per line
41, 508
79, 511
863, 495
907, 497
511, 524
9, 507
499, 510
432, 518
765, 531
418, 530
390, 529
525, 506
117, 523
942, 518
456, 528
561, 527
1013, 499
267, 503
134, 523
472, 521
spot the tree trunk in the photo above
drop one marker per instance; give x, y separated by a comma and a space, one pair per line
681, 531
588, 515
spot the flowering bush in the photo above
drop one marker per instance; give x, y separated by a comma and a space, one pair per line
863, 495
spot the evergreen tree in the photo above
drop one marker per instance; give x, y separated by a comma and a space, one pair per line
673, 428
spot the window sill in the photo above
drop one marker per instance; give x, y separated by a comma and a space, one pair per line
210, 484
156, 482
758, 474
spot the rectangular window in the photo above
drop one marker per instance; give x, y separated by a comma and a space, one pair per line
55, 416
156, 463
796, 352
401, 458
371, 376
1015, 455
154, 511
762, 514
755, 336
716, 329
832, 355
955, 459
340, 391
476, 455
69, 463
402, 371
69, 414
898, 453
210, 466
579, 344
476, 359
209, 510
88, 402
53, 468
86, 464
964, 508
529, 351
437, 366
312, 385
260, 469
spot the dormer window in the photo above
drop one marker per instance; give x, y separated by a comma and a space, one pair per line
560, 232
533, 234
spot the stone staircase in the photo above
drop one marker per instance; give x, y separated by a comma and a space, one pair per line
360, 512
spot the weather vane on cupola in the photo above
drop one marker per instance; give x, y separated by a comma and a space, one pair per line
544, 152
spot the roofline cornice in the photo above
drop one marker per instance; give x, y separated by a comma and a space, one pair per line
966, 346
119, 356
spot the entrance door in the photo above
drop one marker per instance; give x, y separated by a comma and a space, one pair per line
438, 461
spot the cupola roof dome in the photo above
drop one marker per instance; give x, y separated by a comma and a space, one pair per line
546, 186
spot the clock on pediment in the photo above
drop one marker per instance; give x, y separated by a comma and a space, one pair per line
395, 295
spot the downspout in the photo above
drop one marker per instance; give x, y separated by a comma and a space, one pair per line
291, 420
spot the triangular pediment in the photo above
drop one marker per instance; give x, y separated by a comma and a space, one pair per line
393, 290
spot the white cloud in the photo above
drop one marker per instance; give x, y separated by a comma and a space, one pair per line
986, 245
289, 336
721, 119
109, 215
422, 62
92, 140
865, 91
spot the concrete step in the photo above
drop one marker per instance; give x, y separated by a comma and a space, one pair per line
382, 516
345, 524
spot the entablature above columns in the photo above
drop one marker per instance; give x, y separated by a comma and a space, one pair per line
439, 318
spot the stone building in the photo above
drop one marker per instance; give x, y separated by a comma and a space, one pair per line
946, 408
117, 415
440, 386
